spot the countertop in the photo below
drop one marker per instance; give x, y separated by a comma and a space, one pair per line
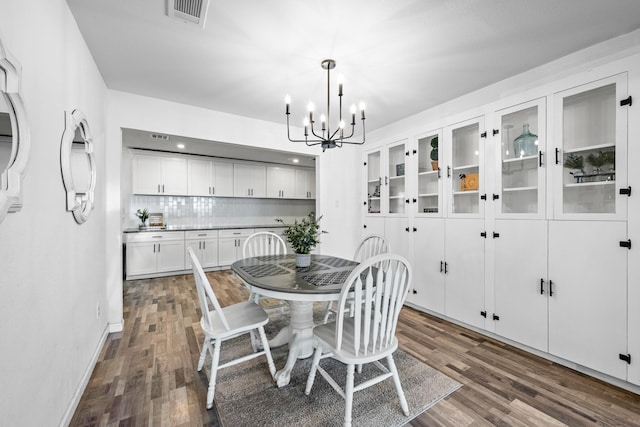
199, 227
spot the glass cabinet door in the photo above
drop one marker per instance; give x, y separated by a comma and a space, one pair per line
397, 201
429, 187
374, 183
521, 160
591, 151
465, 170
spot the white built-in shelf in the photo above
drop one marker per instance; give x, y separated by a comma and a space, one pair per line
457, 168
391, 178
515, 189
427, 173
429, 195
465, 193
588, 148
374, 198
395, 197
518, 159
590, 184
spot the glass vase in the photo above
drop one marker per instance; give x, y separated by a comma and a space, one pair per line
526, 144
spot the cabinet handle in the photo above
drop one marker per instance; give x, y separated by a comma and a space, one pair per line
248, 192
541, 286
550, 288
557, 156
448, 171
439, 173
154, 248
386, 180
202, 235
156, 237
446, 267
204, 245
540, 158
158, 247
199, 245
163, 188
158, 188
213, 190
441, 266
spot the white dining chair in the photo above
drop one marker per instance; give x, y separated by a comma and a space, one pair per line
368, 336
221, 324
263, 243
370, 246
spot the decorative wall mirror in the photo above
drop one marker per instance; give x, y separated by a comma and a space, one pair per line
14, 135
78, 166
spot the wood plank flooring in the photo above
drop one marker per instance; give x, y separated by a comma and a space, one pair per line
146, 375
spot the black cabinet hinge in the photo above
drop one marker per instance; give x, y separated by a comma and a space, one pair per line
483, 314
496, 317
483, 134
496, 196
626, 191
628, 101
626, 244
496, 235
415, 229
415, 151
483, 234
483, 197
415, 200
626, 358
365, 203
406, 154
415, 292
365, 163
365, 226
496, 131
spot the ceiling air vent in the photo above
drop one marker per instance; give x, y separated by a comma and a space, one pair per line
190, 11
159, 136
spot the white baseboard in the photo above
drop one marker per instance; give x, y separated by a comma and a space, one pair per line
116, 327
73, 405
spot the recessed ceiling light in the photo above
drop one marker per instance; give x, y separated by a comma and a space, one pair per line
180, 146
295, 160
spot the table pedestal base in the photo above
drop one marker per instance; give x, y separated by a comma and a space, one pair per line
299, 334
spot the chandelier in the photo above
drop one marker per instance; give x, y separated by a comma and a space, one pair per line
326, 137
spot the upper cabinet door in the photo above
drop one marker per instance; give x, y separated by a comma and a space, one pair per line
395, 178
199, 177
591, 150
429, 176
174, 176
147, 175
521, 160
375, 186
222, 179
465, 171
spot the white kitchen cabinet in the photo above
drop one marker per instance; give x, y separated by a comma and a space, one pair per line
230, 244
210, 178
155, 174
374, 186
281, 182
154, 252
205, 245
463, 269
280, 232
521, 289
373, 225
386, 180
249, 180
588, 294
427, 194
305, 184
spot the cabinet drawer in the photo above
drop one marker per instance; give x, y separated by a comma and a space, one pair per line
235, 232
201, 234
276, 230
149, 236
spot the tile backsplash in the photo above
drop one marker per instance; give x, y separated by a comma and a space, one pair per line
204, 211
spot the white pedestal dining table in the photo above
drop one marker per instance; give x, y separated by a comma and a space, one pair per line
278, 277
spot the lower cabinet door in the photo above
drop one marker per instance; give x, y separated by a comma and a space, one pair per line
428, 256
520, 282
464, 270
195, 245
588, 307
170, 255
141, 258
209, 253
227, 250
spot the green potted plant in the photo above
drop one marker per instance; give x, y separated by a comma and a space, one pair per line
143, 215
434, 153
597, 161
303, 236
574, 161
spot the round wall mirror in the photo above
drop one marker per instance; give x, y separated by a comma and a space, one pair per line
14, 135
78, 166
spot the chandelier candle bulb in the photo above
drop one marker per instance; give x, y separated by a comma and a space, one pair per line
340, 81
287, 103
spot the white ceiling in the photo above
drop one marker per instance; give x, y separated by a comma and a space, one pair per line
400, 57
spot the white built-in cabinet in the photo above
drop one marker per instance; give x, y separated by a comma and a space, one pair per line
230, 244
305, 184
249, 180
517, 223
165, 175
205, 245
281, 182
158, 252
210, 178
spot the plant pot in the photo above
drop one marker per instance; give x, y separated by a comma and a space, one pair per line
434, 165
303, 260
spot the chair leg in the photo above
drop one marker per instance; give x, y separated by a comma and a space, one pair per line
203, 353
314, 368
267, 351
215, 359
348, 396
327, 312
396, 381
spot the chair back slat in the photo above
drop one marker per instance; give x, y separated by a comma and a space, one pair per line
371, 246
379, 299
206, 294
263, 243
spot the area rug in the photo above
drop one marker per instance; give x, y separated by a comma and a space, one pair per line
247, 396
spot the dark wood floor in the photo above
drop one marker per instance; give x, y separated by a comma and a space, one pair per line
146, 374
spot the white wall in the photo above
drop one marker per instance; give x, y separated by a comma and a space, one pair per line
51, 269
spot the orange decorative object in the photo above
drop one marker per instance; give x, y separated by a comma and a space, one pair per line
469, 182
